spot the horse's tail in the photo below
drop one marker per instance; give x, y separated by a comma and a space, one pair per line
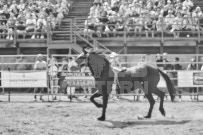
170, 86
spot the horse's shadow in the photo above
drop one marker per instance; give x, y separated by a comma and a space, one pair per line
121, 124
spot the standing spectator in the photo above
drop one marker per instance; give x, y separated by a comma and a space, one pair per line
159, 61
39, 65
192, 66
21, 63
85, 69
72, 67
53, 78
177, 66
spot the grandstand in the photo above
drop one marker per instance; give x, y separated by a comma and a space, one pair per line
67, 37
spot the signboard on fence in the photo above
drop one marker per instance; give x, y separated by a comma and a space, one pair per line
23, 79
76, 79
190, 78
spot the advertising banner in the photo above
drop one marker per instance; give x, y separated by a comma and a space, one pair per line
23, 79
77, 79
190, 78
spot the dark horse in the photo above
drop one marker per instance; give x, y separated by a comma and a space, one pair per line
143, 77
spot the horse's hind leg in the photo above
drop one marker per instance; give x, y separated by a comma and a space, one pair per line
161, 95
152, 102
95, 95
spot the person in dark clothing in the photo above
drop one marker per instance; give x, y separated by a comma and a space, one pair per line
166, 61
177, 66
192, 66
159, 60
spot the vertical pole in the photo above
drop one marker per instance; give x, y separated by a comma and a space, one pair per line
71, 31
199, 31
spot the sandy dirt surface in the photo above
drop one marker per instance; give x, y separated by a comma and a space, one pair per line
78, 117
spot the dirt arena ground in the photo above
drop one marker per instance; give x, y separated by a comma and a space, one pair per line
79, 117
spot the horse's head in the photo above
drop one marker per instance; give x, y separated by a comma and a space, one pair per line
82, 58
94, 59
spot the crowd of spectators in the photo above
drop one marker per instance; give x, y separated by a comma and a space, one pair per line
31, 17
151, 16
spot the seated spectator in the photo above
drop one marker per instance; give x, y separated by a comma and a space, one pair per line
6, 11
168, 6
3, 30
41, 27
130, 25
120, 28
160, 24
188, 4
149, 25
177, 25
20, 27
31, 25
98, 11
185, 11
106, 7
187, 25
101, 25
169, 19
21, 6
112, 24
89, 26
10, 26
197, 15
93, 9
139, 23
115, 7
53, 20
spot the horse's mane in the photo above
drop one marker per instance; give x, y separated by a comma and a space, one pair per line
101, 52
97, 60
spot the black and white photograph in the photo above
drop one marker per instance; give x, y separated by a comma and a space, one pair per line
101, 67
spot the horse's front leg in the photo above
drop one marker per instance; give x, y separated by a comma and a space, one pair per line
95, 95
105, 101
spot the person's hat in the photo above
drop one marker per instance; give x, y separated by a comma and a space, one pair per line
106, 4
170, 11
113, 54
184, 7
198, 8
164, 54
39, 55
192, 60
65, 59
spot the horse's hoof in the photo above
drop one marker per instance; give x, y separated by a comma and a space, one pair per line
147, 117
99, 105
101, 118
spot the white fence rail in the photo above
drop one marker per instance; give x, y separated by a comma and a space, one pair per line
13, 77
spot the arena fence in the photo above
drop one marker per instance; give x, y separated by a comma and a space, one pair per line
18, 72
